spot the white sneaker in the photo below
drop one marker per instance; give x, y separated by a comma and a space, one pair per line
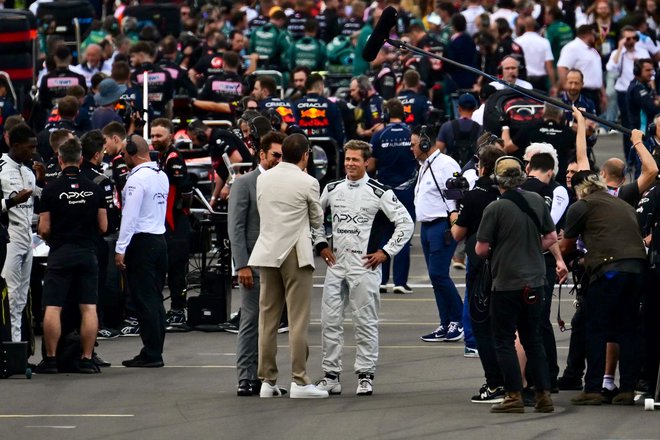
310, 391
332, 386
269, 391
365, 386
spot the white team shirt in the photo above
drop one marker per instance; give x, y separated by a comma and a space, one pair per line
578, 55
144, 204
624, 68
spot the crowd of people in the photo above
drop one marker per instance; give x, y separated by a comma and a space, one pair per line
504, 187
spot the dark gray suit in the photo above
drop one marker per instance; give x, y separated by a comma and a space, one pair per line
243, 222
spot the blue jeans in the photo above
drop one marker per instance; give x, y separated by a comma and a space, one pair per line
438, 258
468, 336
401, 261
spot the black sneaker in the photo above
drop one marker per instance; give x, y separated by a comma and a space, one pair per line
130, 327
107, 333
175, 321
565, 383
98, 361
231, 326
486, 395
608, 395
87, 366
528, 396
48, 365
138, 362
244, 388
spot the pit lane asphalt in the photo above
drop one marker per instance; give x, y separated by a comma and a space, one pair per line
422, 390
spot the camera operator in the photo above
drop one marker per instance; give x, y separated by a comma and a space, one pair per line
514, 232
465, 225
615, 264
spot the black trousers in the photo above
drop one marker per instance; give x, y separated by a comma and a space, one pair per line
482, 330
613, 310
577, 347
178, 251
519, 310
146, 268
651, 327
547, 332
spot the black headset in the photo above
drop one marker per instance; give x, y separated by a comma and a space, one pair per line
425, 143
520, 162
637, 67
131, 147
522, 71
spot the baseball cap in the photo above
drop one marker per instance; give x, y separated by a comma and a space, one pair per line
468, 101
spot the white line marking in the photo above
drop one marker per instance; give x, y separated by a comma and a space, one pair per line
186, 366
53, 426
216, 354
429, 286
35, 416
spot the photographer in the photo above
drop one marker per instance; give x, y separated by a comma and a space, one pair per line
465, 225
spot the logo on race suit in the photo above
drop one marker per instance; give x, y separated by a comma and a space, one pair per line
229, 87
154, 78
346, 218
61, 82
313, 113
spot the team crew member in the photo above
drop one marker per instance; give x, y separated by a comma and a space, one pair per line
19, 186
264, 91
56, 139
55, 83
72, 217
90, 168
397, 169
416, 106
369, 110
355, 260
141, 249
115, 138
224, 87
243, 229
177, 225
433, 209
161, 84
316, 114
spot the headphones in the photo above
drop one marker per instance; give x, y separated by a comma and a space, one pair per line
520, 162
131, 147
425, 143
650, 130
522, 71
198, 128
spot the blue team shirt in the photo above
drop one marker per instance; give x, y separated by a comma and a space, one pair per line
391, 148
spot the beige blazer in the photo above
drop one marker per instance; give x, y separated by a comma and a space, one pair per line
289, 206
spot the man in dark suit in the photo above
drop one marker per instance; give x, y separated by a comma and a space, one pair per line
243, 233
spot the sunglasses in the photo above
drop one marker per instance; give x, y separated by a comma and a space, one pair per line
635, 38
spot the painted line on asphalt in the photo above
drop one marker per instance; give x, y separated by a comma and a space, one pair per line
36, 416
52, 426
429, 286
185, 366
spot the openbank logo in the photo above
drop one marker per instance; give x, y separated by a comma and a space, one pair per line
76, 195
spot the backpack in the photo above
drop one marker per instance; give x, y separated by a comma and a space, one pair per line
462, 150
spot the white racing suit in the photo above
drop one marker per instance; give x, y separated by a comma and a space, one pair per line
14, 177
360, 210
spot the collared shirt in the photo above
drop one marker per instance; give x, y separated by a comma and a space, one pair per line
144, 204
578, 55
624, 68
537, 51
429, 203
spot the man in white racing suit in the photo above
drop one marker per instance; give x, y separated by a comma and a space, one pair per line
18, 191
361, 208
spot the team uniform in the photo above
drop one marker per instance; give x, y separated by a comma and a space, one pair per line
161, 88
318, 116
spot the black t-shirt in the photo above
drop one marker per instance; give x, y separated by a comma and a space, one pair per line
224, 141
629, 193
556, 134
474, 203
95, 174
541, 188
73, 203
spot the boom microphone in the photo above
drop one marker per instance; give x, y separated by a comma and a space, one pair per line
381, 32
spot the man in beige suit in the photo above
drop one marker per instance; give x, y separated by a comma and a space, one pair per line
289, 206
